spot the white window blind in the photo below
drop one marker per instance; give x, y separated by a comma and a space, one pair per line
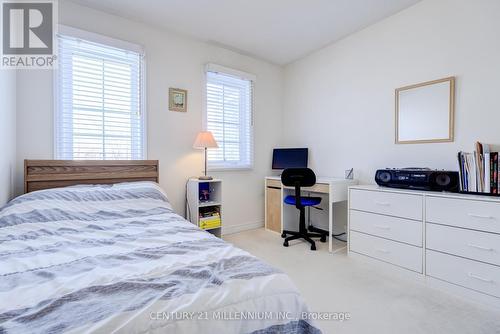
229, 116
100, 112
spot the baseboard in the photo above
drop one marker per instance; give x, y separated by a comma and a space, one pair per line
226, 230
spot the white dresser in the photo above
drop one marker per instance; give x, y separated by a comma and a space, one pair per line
452, 238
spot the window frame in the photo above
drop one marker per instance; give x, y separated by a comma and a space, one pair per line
211, 67
111, 42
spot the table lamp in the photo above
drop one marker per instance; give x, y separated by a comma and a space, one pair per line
205, 140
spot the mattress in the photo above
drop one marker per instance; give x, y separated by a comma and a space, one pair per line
117, 259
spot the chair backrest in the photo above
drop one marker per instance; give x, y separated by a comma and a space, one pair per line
301, 177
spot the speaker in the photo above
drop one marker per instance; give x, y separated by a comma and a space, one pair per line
416, 178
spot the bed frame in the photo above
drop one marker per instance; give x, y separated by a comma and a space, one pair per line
47, 174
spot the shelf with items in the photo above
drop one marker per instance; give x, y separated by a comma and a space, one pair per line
209, 217
209, 192
479, 171
204, 204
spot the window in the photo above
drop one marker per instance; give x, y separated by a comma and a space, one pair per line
99, 103
229, 116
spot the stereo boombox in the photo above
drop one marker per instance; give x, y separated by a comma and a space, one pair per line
418, 178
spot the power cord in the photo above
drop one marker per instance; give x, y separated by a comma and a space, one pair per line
336, 237
187, 210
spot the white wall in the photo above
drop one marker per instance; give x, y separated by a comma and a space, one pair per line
172, 61
339, 101
7, 133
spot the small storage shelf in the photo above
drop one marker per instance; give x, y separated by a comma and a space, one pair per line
204, 204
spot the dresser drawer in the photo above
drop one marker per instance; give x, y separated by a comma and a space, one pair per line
474, 245
471, 274
393, 204
398, 229
477, 215
273, 183
403, 255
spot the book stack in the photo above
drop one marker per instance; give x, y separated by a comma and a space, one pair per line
479, 171
209, 219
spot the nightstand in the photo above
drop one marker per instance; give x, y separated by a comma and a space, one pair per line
204, 204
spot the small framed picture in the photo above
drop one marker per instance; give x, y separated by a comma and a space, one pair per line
177, 99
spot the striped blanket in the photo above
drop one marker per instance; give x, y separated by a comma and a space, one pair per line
117, 259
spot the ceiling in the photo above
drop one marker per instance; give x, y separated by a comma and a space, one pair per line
279, 31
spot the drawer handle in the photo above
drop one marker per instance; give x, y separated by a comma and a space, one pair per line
471, 275
383, 227
385, 251
481, 247
382, 203
480, 216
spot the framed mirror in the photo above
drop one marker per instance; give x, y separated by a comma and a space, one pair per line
425, 112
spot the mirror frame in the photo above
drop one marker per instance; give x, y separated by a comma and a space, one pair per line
451, 124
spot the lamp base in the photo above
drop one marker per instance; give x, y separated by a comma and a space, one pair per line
204, 177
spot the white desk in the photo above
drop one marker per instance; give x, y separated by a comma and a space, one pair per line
336, 190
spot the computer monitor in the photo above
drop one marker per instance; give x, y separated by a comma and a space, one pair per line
289, 158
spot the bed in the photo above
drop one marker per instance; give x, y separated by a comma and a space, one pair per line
115, 258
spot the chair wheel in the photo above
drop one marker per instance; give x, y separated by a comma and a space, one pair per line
283, 235
285, 244
313, 247
323, 238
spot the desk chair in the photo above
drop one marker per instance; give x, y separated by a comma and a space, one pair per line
297, 178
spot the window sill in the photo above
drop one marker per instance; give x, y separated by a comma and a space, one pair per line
229, 169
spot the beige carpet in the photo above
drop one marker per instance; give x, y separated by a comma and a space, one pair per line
378, 301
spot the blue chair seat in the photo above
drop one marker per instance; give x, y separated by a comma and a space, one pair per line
305, 201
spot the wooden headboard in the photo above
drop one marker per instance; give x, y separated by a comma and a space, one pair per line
46, 174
